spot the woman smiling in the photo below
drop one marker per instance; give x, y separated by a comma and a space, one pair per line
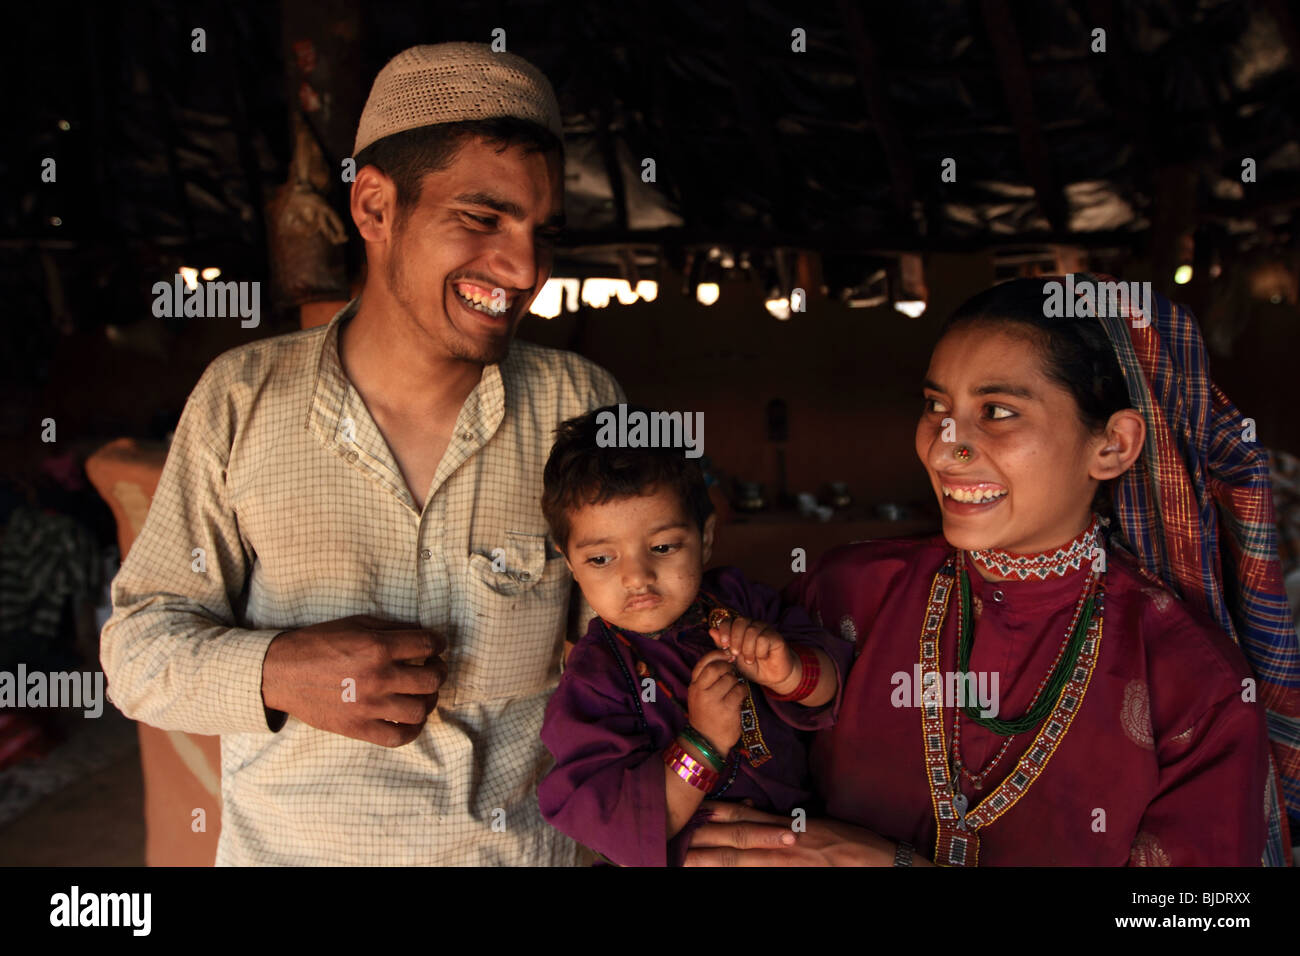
1129, 728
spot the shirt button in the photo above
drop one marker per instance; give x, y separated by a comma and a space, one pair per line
998, 596
466, 436
524, 575
426, 554
351, 456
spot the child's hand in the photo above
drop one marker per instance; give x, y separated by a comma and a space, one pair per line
758, 650
713, 700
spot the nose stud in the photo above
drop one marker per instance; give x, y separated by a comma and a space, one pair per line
961, 453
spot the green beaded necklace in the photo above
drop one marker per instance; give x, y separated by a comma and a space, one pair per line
1051, 690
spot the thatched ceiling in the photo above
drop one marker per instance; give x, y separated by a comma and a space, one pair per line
838, 147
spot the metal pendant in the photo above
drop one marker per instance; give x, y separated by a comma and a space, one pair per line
960, 803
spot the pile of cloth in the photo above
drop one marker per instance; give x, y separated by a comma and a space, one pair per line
48, 563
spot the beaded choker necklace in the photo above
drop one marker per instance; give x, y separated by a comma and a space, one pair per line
1044, 564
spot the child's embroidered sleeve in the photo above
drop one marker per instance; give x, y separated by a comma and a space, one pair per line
607, 787
760, 602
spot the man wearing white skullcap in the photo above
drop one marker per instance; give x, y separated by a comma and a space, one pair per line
379, 622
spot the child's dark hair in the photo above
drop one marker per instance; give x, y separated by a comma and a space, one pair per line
1077, 354
579, 472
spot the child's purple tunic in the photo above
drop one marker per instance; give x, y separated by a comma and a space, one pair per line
607, 790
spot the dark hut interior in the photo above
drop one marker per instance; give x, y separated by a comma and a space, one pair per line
771, 207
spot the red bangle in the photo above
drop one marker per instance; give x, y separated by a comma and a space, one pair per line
810, 675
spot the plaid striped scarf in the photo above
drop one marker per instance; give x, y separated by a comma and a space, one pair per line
1197, 510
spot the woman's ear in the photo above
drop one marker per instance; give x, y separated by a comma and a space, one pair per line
710, 524
1120, 446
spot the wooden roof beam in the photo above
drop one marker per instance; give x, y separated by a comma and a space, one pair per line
875, 90
743, 79
1286, 24
1017, 86
1123, 81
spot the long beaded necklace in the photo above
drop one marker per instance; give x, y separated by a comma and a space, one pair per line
1055, 678
1052, 683
957, 842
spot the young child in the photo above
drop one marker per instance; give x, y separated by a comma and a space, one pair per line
687, 685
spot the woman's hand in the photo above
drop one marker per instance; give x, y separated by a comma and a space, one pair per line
739, 835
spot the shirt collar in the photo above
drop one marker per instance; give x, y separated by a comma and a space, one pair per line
337, 411
325, 412
1029, 596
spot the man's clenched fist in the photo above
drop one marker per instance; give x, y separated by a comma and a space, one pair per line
398, 670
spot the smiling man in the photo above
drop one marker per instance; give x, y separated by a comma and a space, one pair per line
344, 571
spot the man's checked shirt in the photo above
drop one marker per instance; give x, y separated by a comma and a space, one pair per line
279, 474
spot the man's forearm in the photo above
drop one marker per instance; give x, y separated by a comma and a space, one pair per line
181, 671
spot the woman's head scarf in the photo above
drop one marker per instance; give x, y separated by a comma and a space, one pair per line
1197, 510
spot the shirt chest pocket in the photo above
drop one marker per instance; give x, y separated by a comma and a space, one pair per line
515, 622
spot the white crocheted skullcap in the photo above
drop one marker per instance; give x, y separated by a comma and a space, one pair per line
452, 82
